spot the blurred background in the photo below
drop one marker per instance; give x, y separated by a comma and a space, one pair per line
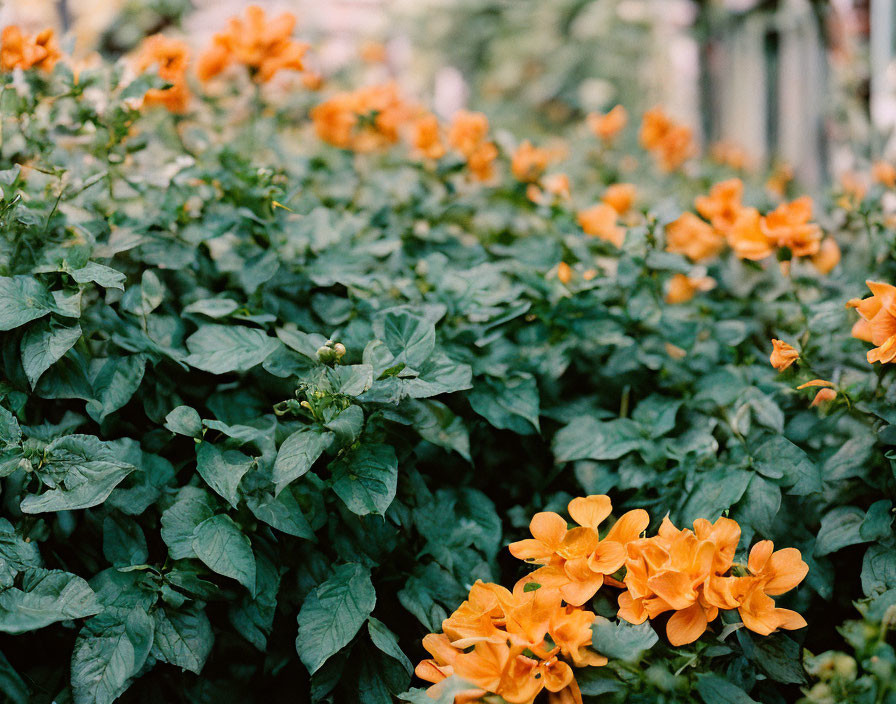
810, 83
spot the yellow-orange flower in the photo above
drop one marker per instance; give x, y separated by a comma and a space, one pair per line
747, 238
723, 204
467, 131
577, 561
783, 355
828, 255
426, 137
781, 177
564, 273
372, 52
607, 126
670, 142
692, 237
730, 154
513, 644
263, 46
19, 50
620, 197
682, 288
529, 162
884, 173
824, 394
364, 120
170, 58
600, 221
789, 225
557, 184
771, 573
878, 321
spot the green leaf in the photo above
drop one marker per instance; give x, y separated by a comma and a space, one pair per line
184, 420
220, 544
297, 453
778, 458
717, 690
123, 541
222, 348
105, 276
109, 653
12, 685
179, 521
22, 299
333, 613
43, 345
512, 404
114, 383
183, 637
760, 503
620, 640
10, 432
878, 570
386, 641
213, 307
282, 512
347, 425
410, 338
779, 657
366, 478
88, 471
714, 492
656, 415
222, 470
45, 597
840, 527
588, 438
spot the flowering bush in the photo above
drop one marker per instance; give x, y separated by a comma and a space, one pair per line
283, 371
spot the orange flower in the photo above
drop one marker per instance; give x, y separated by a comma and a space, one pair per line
18, 50
878, 321
312, 80
372, 52
668, 572
467, 131
746, 237
825, 394
364, 120
170, 57
788, 226
263, 46
771, 573
828, 256
690, 236
884, 174
564, 273
600, 221
780, 179
730, 154
557, 185
682, 288
609, 125
529, 162
783, 355
513, 644
723, 204
577, 561
481, 161
426, 137
620, 197
670, 142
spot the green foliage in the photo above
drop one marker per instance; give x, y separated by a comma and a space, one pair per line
250, 449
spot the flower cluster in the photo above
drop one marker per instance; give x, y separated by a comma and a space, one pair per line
608, 125
517, 643
750, 234
263, 46
20, 50
693, 574
171, 58
670, 142
468, 134
363, 120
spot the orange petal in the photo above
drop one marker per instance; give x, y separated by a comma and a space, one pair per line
548, 527
530, 549
674, 588
608, 557
815, 382
686, 626
788, 570
629, 526
590, 511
